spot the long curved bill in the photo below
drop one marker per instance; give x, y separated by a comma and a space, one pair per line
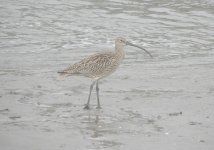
128, 43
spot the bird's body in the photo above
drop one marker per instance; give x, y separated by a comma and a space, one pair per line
96, 66
99, 65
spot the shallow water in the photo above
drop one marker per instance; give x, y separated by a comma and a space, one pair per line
160, 103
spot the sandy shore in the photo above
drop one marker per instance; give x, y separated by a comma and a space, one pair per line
164, 103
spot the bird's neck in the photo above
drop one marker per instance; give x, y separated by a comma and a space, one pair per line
120, 53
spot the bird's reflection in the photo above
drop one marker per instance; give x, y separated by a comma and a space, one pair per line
98, 126
93, 116
93, 123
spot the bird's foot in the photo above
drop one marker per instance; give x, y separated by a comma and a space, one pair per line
98, 107
86, 107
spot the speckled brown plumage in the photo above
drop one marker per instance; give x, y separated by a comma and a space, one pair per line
99, 65
95, 66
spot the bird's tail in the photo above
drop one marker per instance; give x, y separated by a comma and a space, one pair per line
63, 74
71, 70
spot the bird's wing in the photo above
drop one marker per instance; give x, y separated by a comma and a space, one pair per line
93, 64
96, 63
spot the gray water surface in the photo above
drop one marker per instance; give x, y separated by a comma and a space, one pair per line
162, 103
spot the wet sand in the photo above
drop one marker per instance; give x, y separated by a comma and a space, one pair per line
160, 103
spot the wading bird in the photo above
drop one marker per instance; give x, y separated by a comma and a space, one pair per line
99, 65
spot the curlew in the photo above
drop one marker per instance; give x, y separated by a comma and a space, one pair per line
99, 65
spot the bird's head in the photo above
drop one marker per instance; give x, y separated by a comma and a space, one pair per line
120, 42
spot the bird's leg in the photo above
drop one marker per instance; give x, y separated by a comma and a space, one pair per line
98, 98
91, 88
